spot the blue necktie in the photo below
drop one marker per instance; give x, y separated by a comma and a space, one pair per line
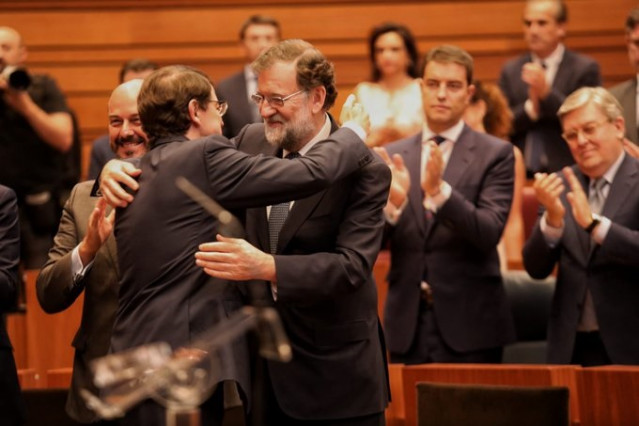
278, 215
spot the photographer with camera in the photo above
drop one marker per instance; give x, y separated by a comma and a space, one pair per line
36, 132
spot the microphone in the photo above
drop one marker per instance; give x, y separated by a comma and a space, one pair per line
274, 343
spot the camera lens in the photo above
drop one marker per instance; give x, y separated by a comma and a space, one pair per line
17, 78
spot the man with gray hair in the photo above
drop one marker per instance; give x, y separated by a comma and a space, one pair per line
590, 227
317, 265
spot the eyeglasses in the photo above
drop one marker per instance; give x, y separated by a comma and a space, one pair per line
274, 101
589, 130
221, 107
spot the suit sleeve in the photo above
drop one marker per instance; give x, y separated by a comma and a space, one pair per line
322, 275
55, 287
242, 181
482, 221
588, 76
539, 258
622, 244
9, 247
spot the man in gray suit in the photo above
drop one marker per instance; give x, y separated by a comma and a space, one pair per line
537, 82
164, 295
83, 256
626, 92
590, 227
258, 33
446, 300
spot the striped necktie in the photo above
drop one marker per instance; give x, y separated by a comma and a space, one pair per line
277, 216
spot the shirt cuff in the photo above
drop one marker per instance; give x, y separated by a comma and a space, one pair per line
359, 130
601, 230
530, 110
78, 271
435, 202
392, 214
552, 235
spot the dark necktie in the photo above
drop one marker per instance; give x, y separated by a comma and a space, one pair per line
438, 139
278, 215
596, 197
596, 200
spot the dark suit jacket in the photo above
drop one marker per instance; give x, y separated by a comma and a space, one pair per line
626, 94
574, 71
457, 248
57, 291
609, 271
12, 408
163, 295
240, 113
326, 295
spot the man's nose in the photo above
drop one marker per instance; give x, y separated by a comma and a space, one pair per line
266, 110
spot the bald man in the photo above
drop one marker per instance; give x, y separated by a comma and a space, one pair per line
83, 256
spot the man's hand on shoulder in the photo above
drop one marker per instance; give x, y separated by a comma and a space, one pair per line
114, 175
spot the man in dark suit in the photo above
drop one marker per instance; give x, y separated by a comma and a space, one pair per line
163, 295
83, 256
537, 82
319, 266
592, 232
626, 92
446, 301
12, 407
258, 33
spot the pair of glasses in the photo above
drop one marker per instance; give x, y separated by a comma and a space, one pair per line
589, 130
221, 107
274, 101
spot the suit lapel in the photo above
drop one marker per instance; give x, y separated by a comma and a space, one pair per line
300, 211
629, 102
413, 160
563, 76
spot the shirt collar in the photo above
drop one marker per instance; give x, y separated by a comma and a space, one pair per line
451, 134
554, 59
612, 171
324, 133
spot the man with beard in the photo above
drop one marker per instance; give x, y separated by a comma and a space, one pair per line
163, 294
83, 256
317, 258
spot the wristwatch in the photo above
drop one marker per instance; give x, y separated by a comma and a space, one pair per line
596, 220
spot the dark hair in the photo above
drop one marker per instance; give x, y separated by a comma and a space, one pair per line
409, 44
259, 20
448, 53
163, 101
137, 65
498, 117
313, 69
632, 20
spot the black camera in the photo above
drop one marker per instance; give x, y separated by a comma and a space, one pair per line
17, 78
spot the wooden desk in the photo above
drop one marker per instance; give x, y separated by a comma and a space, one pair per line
488, 374
59, 377
395, 413
609, 395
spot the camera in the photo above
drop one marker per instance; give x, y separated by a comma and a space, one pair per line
18, 78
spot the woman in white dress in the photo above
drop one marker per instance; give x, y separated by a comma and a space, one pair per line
393, 97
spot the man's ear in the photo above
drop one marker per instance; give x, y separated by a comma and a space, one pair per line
194, 109
318, 96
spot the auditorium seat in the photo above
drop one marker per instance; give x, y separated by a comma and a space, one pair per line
530, 302
488, 405
46, 407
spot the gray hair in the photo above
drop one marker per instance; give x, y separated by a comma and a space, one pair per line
599, 96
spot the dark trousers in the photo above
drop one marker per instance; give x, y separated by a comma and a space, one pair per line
268, 412
429, 345
589, 350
